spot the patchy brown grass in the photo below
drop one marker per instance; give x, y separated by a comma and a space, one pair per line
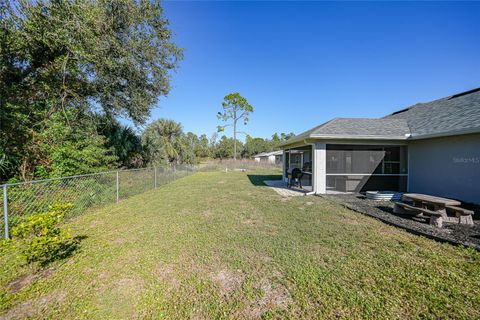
227, 281
238, 250
34, 308
27, 279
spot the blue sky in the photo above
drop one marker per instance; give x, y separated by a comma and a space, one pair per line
302, 63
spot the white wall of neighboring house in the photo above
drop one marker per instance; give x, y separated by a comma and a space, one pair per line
269, 158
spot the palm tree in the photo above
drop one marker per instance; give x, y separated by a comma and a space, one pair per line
163, 138
125, 142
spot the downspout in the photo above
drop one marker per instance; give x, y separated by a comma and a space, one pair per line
313, 163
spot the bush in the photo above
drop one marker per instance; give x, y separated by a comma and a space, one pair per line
39, 238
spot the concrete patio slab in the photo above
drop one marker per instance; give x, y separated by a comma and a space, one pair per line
281, 188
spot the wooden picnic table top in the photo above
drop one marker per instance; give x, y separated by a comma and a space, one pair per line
432, 199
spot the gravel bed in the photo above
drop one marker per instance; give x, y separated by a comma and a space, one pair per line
453, 233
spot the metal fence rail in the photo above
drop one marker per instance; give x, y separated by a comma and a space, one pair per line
82, 191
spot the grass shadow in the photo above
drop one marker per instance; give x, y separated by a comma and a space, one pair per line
258, 179
66, 250
44, 269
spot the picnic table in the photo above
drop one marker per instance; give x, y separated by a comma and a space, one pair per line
424, 200
435, 208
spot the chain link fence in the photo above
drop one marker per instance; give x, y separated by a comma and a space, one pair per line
83, 191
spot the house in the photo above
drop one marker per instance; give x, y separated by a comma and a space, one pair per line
274, 157
431, 148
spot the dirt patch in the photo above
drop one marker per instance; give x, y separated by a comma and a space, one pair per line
186, 212
351, 221
129, 285
263, 257
206, 213
34, 307
252, 221
274, 297
120, 241
285, 199
26, 280
165, 272
96, 223
228, 281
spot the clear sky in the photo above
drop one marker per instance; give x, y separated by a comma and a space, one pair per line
302, 63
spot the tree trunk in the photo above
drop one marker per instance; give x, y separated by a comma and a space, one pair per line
234, 135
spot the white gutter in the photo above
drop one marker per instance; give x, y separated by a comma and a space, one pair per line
357, 137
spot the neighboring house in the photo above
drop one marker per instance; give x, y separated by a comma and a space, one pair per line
274, 157
431, 148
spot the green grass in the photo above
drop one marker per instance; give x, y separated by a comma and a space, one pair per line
221, 245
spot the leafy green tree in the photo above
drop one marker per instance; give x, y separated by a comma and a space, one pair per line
76, 58
279, 138
202, 149
224, 148
286, 136
191, 141
213, 141
63, 150
255, 146
276, 138
187, 152
235, 108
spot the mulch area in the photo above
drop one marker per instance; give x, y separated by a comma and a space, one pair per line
458, 234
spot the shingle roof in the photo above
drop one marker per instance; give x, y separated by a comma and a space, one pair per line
457, 114
271, 153
262, 154
363, 127
357, 128
448, 116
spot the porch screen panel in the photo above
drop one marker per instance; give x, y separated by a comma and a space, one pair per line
361, 183
355, 168
300, 158
354, 161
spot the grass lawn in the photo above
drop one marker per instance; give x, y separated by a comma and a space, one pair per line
222, 245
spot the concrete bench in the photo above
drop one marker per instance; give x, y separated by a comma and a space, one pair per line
464, 215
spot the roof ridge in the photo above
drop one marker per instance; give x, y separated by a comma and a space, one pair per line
447, 98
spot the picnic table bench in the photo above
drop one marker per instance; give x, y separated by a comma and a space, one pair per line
435, 208
463, 215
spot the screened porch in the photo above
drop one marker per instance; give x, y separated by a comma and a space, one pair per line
300, 158
358, 168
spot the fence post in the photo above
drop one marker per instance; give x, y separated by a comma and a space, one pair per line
155, 177
5, 210
117, 187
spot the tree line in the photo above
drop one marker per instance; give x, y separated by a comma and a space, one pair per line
69, 70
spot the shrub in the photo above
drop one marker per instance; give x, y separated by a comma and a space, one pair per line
39, 238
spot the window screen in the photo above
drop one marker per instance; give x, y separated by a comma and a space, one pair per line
366, 160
